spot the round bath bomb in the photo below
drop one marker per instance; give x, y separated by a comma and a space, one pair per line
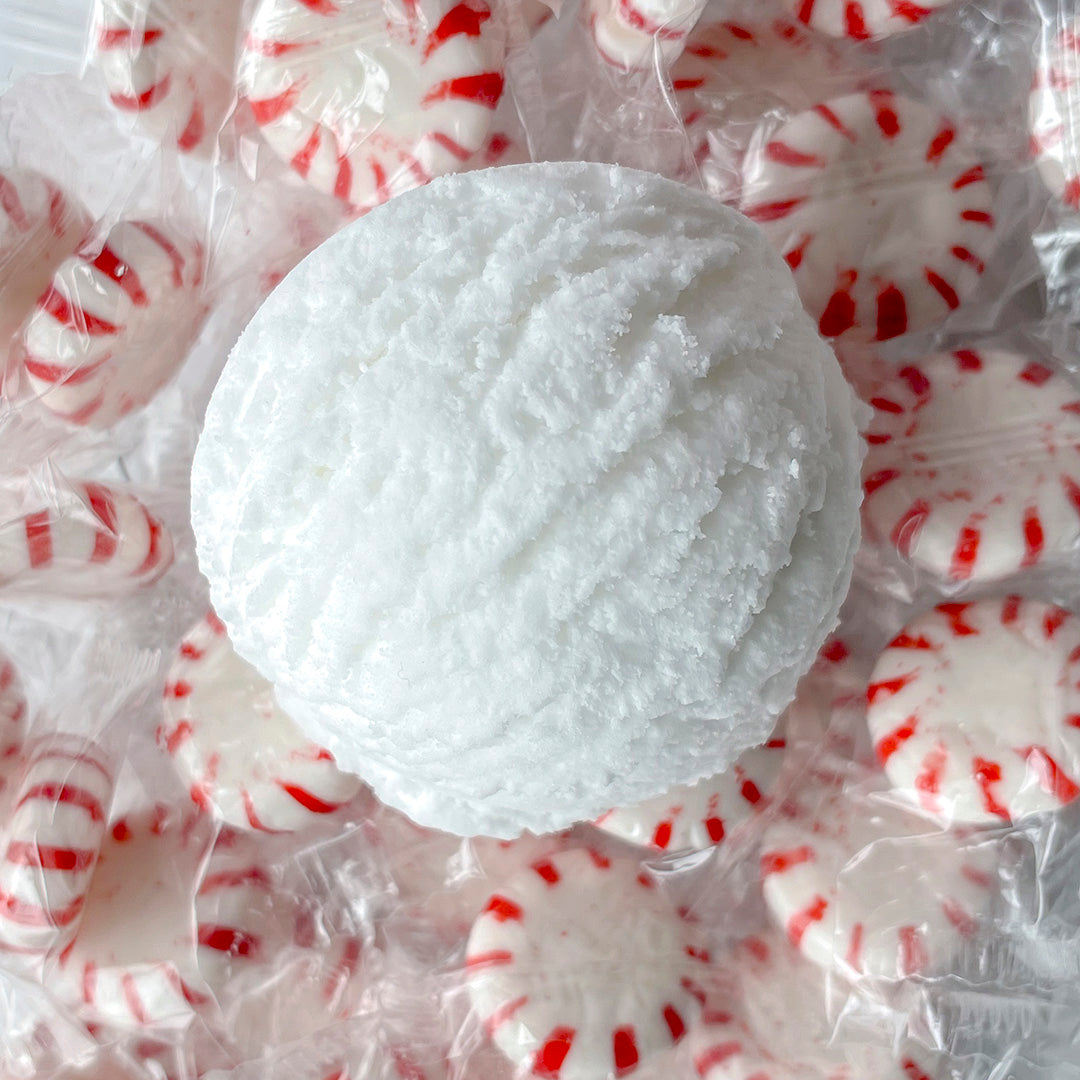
532, 492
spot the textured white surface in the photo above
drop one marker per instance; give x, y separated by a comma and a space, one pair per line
533, 493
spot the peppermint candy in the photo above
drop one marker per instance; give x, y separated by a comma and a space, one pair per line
40, 226
114, 324
240, 753
170, 64
95, 541
577, 967
975, 709
882, 213
366, 103
973, 469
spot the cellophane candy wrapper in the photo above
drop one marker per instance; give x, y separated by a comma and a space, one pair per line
886, 888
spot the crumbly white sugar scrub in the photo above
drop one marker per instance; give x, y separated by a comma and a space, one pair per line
533, 492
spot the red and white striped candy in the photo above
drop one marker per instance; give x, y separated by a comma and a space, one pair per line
50, 845
114, 324
40, 226
863, 20
626, 32
12, 725
366, 101
866, 887
240, 753
702, 814
170, 64
722, 65
1053, 115
883, 214
973, 469
256, 950
772, 1023
579, 968
975, 709
132, 963
95, 541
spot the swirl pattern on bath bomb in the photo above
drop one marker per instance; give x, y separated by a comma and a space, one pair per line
533, 492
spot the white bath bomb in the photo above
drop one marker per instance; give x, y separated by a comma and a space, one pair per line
533, 492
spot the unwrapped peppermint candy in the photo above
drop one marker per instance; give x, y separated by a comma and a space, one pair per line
533, 492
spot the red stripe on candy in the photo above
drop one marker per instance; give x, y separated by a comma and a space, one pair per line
67, 314
485, 90
115, 269
974, 175
146, 100
675, 1023
855, 21
47, 857
312, 803
1034, 537
67, 794
913, 956
942, 288
115, 37
706, 1061
885, 113
39, 547
194, 129
27, 913
939, 144
494, 958
461, 19
966, 553
778, 862
987, 773
835, 122
503, 1013
773, 211
546, 870
954, 613
503, 909
550, 1057
624, 1051
969, 257
267, 110
801, 921
178, 261
1051, 776
889, 687
887, 745
783, 154
892, 320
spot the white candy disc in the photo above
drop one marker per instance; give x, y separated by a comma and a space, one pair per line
626, 32
772, 1024
1053, 116
96, 541
169, 62
863, 19
240, 752
40, 226
868, 888
973, 471
975, 709
726, 62
132, 963
50, 845
366, 101
701, 814
882, 213
580, 969
114, 324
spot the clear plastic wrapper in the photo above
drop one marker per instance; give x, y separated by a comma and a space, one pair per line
188, 889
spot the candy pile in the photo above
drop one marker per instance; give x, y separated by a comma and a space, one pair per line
191, 886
